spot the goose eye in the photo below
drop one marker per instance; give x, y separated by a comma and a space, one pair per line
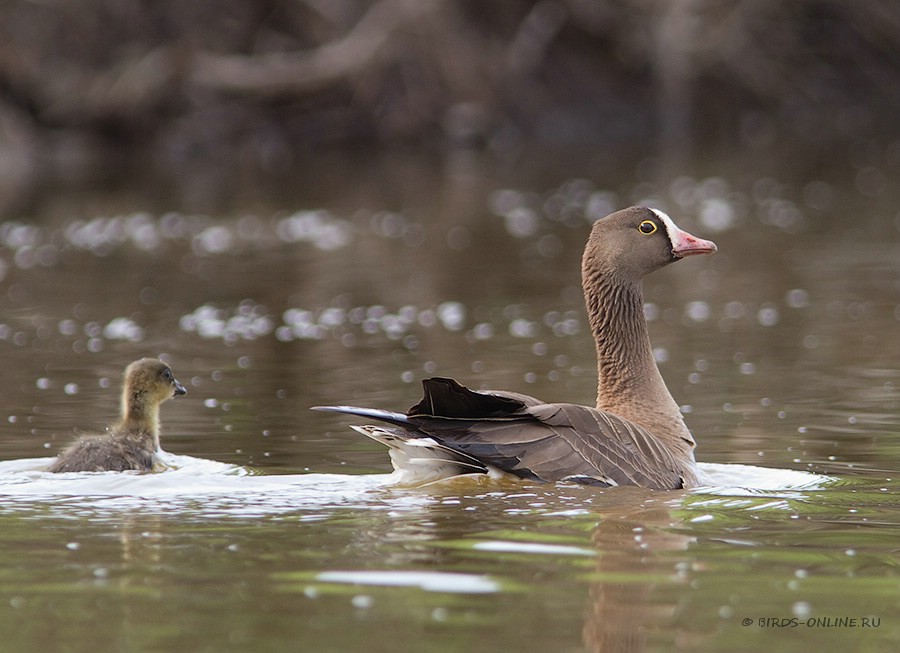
167, 374
647, 227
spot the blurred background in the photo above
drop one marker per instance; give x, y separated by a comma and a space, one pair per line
215, 98
319, 202
265, 172
307, 202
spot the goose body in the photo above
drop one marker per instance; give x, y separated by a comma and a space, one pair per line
133, 441
635, 435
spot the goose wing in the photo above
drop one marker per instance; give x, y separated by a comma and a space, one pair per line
522, 436
553, 442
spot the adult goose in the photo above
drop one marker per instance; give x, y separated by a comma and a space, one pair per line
636, 434
133, 441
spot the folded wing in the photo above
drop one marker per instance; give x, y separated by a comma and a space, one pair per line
522, 436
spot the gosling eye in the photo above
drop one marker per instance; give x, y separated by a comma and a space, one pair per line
167, 374
647, 227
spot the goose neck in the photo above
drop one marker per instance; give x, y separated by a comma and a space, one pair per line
629, 383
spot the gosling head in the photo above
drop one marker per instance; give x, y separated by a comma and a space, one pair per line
149, 382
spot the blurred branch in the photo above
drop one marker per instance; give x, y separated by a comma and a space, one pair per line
135, 84
176, 79
535, 33
278, 73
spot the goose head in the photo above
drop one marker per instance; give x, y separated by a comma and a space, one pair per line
631, 243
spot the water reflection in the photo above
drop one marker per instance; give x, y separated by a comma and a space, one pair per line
633, 539
618, 569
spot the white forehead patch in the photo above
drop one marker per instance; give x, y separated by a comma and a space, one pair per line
671, 229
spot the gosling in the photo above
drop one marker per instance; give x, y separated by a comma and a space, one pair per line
132, 442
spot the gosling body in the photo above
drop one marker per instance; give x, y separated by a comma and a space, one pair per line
133, 441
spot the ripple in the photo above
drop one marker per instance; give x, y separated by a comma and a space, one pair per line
429, 581
206, 487
504, 546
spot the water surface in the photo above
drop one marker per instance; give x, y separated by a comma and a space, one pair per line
277, 532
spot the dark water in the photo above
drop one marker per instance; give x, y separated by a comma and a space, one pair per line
783, 350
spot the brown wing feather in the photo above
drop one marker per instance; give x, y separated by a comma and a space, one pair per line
521, 435
552, 442
616, 447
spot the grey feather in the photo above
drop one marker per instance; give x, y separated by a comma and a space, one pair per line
537, 441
